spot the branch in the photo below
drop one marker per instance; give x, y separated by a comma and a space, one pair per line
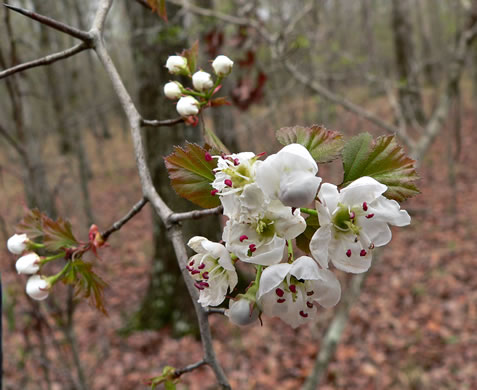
195, 214
189, 368
74, 32
47, 60
119, 224
167, 122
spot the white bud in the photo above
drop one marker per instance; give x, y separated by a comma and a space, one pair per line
17, 243
202, 81
172, 90
177, 65
240, 312
28, 264
222, 65
187, 105
37, 287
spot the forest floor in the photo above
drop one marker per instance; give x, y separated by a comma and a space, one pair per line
414, 325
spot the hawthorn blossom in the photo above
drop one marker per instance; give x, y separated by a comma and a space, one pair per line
222, 65
37, 287
290, 291
177, 65
213, 270
290, 175
172, 90
242, 311
17, 243
352, 222
187, 106
202, 81
28, 264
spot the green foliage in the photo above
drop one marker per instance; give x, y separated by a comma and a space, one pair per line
324, 145
191, 174
383, 160
168, 378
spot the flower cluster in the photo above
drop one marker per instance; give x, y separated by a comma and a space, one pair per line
190, 101
263, 200
29, 263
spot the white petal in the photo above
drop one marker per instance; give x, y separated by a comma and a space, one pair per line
272, 277
298, 189
300, 156
355, 263
195, 243
327, 291
218, 251
319, 245
329, 196
268, 176
388, 210
288, 224
378, 233
364, 189
305, 268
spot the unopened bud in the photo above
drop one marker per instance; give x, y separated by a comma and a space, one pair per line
241, 312
28, 264
37, 287
222, 65
17, 243
177, 65
187, 106
202, 81
172, 90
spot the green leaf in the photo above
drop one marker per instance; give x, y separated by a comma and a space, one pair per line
383, 160
324, 145
58, 234
303, 240
32, 224
214, 141
191, 54
169, 385
191, 174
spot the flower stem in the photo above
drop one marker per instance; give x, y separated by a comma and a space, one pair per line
53, 257
308, 211
291, 258
195, 93
35, 245
259, 273
53, 279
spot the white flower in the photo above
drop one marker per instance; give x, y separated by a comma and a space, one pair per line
222, 65
28, 264
177, 65
289, 291
289, 175
17, 243
262, 240
202, 81
212, 269
172, 90
187, 105
242, 312
37, 287
353, 222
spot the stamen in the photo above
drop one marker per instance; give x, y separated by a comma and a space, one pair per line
194, 272
205, 275
204, 284
365, 206
228, 182
303, 314
352, 215
243, 237
309, 304
191, 263
362, 253
236, 161
371, 246
252, 248
208, 156
281, 300
198, 286
279, 292
202, 266
292, 288
348, 253
370, 216
214, 192
189, 268
293, 210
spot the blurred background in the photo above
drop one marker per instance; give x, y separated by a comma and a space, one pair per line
407, 67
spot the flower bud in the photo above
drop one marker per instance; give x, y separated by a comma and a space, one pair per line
187, 105
240, 312
202, 81
222, 65
177, 65
28, 264
172, 90
17, 243
37, 287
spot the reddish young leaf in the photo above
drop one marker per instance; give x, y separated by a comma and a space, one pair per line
158, 6
32, 224
58, 234
191, 54
324, 145
191, 174
220, 101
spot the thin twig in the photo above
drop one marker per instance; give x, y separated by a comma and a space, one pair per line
215, 310
119, 224
47, 60
195, 214
166, 122
74, 32
189, 368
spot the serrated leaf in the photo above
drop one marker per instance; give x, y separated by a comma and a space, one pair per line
383, 160
214, 141
220, 101
32, 224
158, 6
191, 174
303, 240
324, 145
86, 283
191, 54
58, 234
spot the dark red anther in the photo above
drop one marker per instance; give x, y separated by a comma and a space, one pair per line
214, 192
362, 253
281, 300
191, 263
195, 272
352, 215
228, 182
243, 237
309, 304
310, 293
370, 216
303, 314
371, 246
198, 286
365, 206
279, 292
204, 284
348, 253
208, 157
293, 210
189, 268
202, 266
252, 248
205, 275
236, 161
292, 288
